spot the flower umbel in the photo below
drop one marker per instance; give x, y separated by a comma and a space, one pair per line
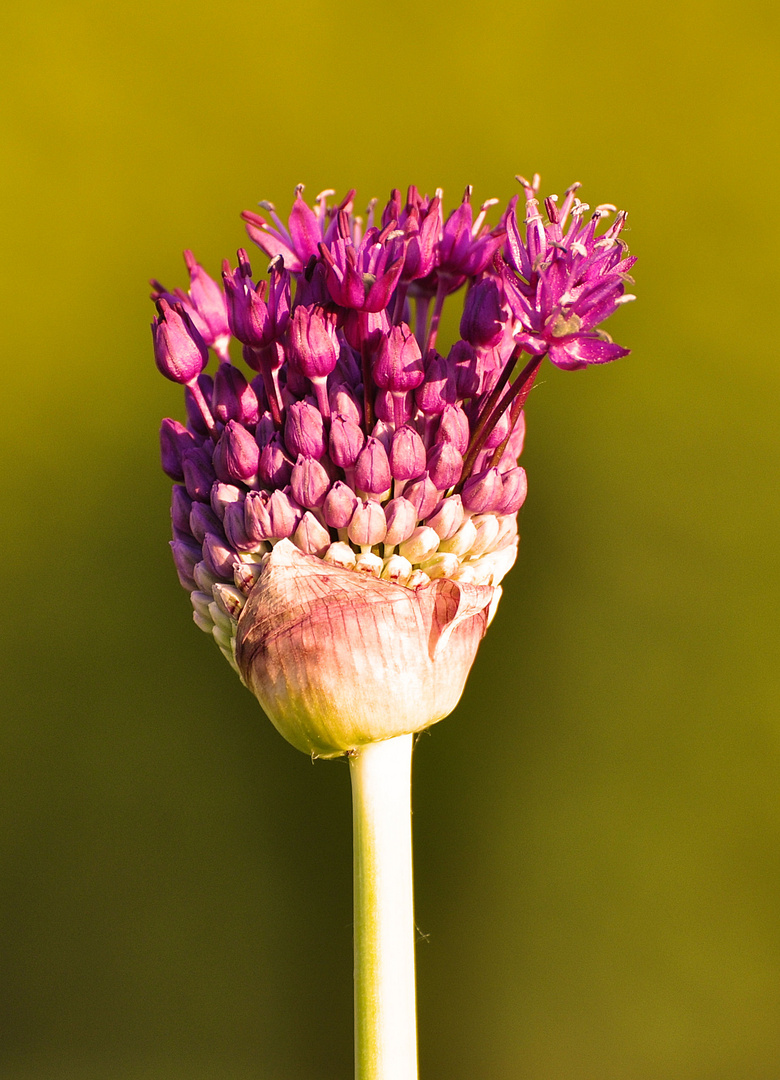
344, 511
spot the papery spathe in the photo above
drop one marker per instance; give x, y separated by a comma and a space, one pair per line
338, 659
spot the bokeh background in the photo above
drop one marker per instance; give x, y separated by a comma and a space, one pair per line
598, 825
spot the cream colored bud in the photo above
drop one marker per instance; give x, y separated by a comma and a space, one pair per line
422, 543
340, 554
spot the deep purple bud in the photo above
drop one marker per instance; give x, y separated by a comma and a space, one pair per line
179, 351
454, 428
175, 439
265, 430
199, 474
257, 519
366, 329
482, 322
311, 536
284, 514
309, 482
218, 557
515, 489
232, 397
234, 527
423, 495
368, 525
313, 341
203, 520
447, 518
483, 492
345, 442
445, 464
344, 403
439, 388
279, 297
372, 468
246, 307
339, 505
209, 302
398, 365
185, 556
304, 430
401, 518
275, 467
222, 495
464, 359
181, 505
407, 454
236, 455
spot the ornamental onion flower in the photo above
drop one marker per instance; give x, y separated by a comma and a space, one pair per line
345, 512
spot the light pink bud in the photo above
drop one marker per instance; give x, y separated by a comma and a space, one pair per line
368, 525
338, 659
310, 536
401, 519
447, 518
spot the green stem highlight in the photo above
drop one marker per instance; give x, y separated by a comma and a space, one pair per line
385, 1014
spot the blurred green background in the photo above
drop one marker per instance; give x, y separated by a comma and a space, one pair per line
598, 825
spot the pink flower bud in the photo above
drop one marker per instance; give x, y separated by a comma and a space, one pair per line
398, 366
309, 482
338, 659
368, 525
407, 454
179, 351
372, 468
401, 519
339, 505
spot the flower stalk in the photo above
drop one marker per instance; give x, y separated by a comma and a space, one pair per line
385, 1012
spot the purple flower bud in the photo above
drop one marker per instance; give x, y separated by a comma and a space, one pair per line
366, 329
223, 494
368, 525
372, 468
407, 454
279, 298
445, 464
185, 557
175, 439
339, 505
454, 428
384, 431
464, 359
423, 495
309, 482
284, 514
401, 518
343, 403
265, 430
346, 441
310, 536
483, 491
398, 366
218, 557
209, 302
313, 341
447, 518
179, 351
257, 518
439, 388
181, 505
275, 467
198, 474
236, 455
232, 397
515, 489
235, 530
246, 307
304, 430
482, 322
203, 520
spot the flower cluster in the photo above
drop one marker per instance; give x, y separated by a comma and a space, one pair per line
352, 438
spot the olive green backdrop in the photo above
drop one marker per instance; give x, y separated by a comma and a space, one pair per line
598, 825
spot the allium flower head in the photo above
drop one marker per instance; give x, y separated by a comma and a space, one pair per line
344, 512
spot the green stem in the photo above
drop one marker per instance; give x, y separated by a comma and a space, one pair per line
385, 1020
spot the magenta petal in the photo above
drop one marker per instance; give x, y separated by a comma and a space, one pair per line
580, 351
